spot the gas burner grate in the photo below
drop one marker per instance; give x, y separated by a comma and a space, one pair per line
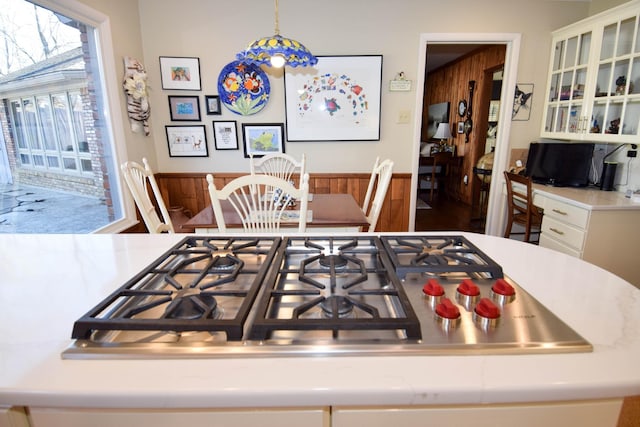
439, 255
200, 284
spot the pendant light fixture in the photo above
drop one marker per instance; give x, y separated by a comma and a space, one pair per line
277, 51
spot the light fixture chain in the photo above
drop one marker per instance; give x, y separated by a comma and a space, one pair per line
277, 29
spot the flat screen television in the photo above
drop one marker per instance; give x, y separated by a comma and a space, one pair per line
560, 164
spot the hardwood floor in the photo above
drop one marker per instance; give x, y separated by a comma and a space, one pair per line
447, 215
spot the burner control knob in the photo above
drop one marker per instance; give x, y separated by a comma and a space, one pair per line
447, 310
487, 309
503, 292
468, 288
433, 289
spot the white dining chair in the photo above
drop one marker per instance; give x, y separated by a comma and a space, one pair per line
137, 176
377, 191
280, 165
262, 202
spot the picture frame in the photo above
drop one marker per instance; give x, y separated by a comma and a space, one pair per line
522, 102
184, 108
460, 127
212, 104
437, 113
225, 135
262, 139
180, 73
187, 141
338, 99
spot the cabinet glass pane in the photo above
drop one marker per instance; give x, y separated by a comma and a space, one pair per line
572, 48
604, 80
565, 89
578, 85
621, 71
608, 41
574, 120
561, 121
553, 89
557, 55
585, 45
551, 119
597, 118
612, 118
634, 81
631, 116
625, 38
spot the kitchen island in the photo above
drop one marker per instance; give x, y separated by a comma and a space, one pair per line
48, 281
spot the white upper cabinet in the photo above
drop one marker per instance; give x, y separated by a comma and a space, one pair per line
593, 90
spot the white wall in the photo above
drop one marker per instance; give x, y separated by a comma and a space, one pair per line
215, 31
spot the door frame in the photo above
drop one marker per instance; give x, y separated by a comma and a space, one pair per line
496, 205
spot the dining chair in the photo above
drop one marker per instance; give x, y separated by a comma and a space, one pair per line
521, 209
137, 177
438, 173
280, 165
262, 202
377, 191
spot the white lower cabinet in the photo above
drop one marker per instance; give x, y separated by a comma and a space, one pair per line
601, 413
13, 417
277, 417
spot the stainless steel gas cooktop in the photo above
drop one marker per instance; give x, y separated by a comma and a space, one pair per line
212, 296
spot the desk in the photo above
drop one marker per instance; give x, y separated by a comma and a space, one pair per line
331, 213
438, 169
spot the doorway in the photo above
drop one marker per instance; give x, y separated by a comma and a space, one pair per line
495, 203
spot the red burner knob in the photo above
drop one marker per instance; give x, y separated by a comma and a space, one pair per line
502, 287
447, 309
433, 288
468, 288
487, 309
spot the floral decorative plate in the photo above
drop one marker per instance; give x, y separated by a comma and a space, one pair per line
243, 88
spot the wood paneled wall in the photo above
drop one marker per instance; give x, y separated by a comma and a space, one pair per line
451, 84
189, 190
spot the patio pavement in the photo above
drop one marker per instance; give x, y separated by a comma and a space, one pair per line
30, 209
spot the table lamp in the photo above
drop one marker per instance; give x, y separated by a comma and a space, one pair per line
443, 133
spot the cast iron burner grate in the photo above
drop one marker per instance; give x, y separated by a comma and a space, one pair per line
340, 286
200, 284
439, 255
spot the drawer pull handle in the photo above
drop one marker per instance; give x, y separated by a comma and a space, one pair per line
559, 211
556, 231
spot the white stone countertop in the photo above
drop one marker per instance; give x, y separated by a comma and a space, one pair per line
48, 281
588, 198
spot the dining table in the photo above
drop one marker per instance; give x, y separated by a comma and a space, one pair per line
326, 213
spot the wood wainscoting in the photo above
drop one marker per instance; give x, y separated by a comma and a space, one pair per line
189, 190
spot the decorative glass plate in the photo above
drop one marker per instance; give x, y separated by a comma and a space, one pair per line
243, 88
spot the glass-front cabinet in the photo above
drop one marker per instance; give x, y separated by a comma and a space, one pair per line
593, 91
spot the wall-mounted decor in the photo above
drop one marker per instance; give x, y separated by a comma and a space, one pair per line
261, 139
522, 101
438, 113
460, 127
187, 141
243, 88
180, 73
212, 104
184, 108
225, 135
337, 100
135, 86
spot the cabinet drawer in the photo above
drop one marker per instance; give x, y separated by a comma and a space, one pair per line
550, 243
562, 232
566, 213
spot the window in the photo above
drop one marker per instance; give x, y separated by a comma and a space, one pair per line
58, 140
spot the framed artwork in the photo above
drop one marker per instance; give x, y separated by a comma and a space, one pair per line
261, 139
187, 141
212, 104
225, 135
460, 127
336, 100
180, 73
438, 113
184, 108
522, 101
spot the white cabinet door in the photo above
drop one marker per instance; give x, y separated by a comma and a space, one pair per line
77, 417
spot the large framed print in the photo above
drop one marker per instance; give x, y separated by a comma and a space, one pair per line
187, 141
262, 139
225, 135
336, 100
180, 73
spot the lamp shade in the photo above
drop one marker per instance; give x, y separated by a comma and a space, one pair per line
443, 131
277, 51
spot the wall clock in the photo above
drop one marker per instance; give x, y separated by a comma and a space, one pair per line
468, 124
462, 108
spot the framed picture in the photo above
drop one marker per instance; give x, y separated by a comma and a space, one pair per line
225, 135
184, 108
522, 101
187, 141
460, 127
438, 113
261, 139
336, 100
180, 73
212, 104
